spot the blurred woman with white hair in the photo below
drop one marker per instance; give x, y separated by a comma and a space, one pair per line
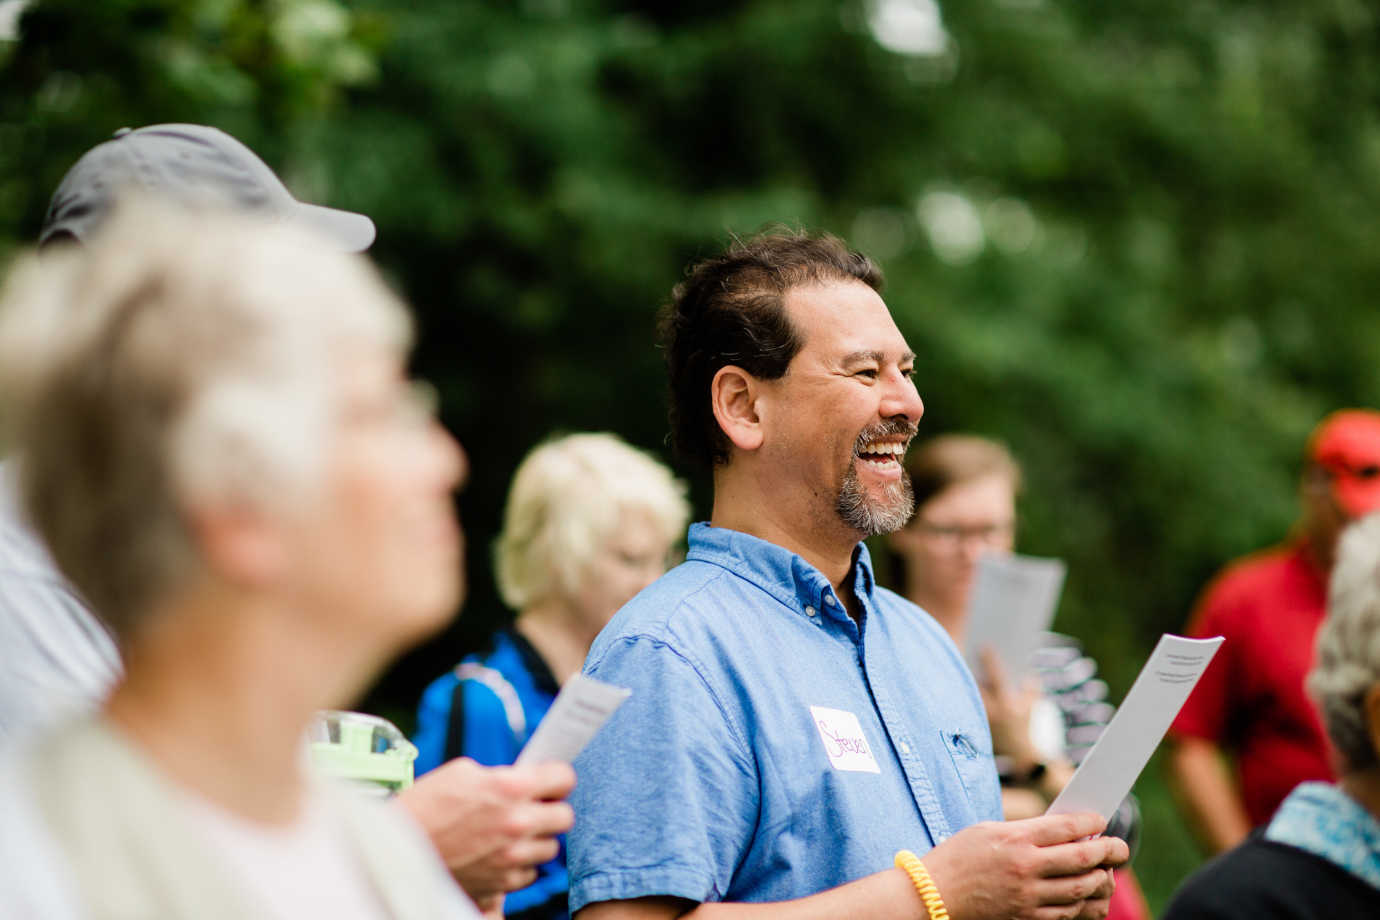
216, 440
589, 522
1319, 857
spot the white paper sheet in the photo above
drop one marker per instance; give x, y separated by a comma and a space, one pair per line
1012, 603
579, 710
1112, 766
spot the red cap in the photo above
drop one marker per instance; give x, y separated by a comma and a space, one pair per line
1347, 445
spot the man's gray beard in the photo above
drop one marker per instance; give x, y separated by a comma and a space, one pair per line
872, 517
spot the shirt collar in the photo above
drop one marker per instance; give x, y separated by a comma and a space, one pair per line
1323, 820
536, 665
778, 571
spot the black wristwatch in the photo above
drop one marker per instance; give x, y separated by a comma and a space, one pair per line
1010, 776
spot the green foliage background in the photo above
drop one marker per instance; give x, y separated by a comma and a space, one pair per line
1134, 240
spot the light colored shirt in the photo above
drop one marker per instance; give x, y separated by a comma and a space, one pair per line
304, 870
58, 659
93, 828
32, 883
772, 747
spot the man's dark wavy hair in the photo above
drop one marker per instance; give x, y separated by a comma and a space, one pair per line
731, 310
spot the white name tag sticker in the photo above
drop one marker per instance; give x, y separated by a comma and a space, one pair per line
843, 740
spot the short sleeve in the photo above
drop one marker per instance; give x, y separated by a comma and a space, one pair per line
666, 798
1204, 714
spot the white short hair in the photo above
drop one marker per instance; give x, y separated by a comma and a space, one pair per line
1347, 657
179, 358
565, 503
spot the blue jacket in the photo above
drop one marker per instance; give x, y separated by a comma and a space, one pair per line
486, 709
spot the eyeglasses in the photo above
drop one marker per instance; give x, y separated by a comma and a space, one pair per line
415, 406
958, 534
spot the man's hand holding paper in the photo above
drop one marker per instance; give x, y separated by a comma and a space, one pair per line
1036, 868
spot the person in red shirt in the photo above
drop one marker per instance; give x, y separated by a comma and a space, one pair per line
1250, 703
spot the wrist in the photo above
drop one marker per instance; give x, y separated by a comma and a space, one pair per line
1034, 774
1021, 769
924, 885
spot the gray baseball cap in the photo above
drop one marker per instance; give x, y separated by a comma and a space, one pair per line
194, 164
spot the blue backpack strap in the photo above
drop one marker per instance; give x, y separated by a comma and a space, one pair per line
494, 746
455, 724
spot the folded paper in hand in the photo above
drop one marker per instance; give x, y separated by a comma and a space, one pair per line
579, 710
1110, 770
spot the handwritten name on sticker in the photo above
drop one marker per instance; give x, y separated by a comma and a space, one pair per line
843, 739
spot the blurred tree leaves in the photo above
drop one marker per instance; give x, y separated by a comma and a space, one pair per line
267, 71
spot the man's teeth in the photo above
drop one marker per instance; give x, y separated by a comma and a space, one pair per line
894, 450
879, 454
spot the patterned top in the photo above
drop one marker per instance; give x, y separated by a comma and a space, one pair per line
1323, 820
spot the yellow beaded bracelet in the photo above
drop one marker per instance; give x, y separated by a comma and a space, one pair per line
909, 863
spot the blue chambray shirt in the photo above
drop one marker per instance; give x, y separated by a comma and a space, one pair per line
733, 772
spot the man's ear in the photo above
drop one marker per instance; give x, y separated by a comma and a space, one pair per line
733, 394
239, 543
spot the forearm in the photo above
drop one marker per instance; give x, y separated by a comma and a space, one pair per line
881, 896
1032, 786
887, 894
1046, 778
1022, 870
1057, 775
1207, 794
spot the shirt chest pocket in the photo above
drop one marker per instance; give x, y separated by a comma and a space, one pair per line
972, 761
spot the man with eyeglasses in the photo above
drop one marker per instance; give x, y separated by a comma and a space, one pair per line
492, 826
1251, 703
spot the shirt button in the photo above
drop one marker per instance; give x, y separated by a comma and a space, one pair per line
829, 600
905, 748
809, 611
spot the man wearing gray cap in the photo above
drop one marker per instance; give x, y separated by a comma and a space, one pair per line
58, 657
194, 164
490, 825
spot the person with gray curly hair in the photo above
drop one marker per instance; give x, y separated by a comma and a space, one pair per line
1320, 854
492, 826
216, 440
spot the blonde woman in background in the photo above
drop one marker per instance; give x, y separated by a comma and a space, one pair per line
589, 522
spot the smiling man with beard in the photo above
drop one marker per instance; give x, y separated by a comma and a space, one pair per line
794, 728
